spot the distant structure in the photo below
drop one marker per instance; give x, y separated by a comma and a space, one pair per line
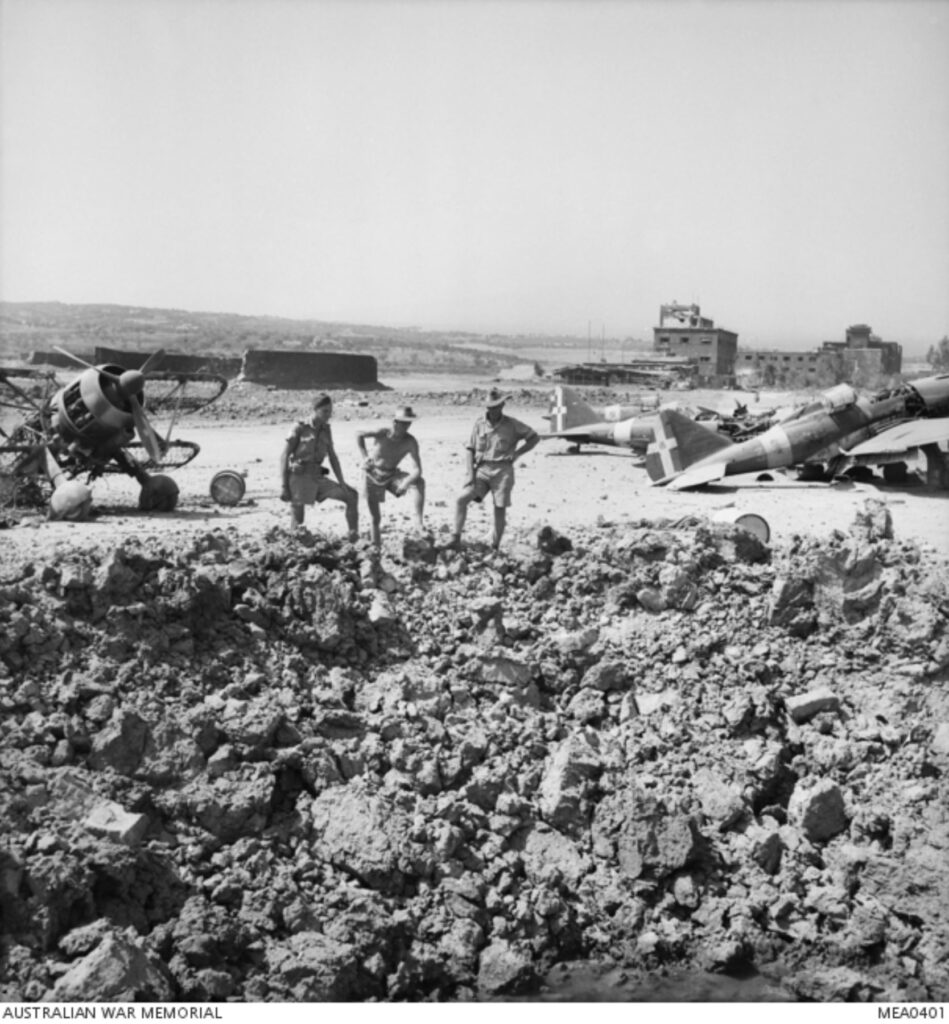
646, 372
861, 359
171, 362
284, 369
683, 333
275, 368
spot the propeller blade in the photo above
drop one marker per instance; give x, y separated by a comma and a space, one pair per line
146, 432
152, 361
88, 366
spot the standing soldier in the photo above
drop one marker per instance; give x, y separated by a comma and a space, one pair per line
304, 477
492, 451
381, 471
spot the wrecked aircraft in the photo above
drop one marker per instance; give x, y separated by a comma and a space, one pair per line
838, 431
68, 436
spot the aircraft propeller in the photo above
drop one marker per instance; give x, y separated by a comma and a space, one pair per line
131, 383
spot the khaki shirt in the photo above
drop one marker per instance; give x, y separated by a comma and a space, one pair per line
309, 446
495, 442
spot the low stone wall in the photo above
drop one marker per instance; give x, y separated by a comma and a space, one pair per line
43, 358
310, 369
173, 362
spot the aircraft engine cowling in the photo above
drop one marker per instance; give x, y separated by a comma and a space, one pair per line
933, 392
90, 411
839, 397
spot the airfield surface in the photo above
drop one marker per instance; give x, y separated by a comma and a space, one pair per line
245, 431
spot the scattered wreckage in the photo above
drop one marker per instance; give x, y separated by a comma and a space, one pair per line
62, 438
839, 431
631, 426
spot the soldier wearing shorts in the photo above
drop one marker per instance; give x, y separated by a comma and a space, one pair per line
492, 451
305, 479
381, 471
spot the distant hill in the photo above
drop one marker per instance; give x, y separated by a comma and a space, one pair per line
29, 326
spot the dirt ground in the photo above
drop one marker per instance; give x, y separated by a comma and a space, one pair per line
599, 485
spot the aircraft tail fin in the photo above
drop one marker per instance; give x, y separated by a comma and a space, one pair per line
679, 443
567, 409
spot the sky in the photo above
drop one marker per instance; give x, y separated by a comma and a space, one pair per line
515, 167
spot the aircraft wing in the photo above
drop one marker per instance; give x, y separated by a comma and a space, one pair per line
589, 433
902, 439
697, 477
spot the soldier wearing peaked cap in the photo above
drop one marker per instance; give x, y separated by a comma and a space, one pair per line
381, 471
492, 451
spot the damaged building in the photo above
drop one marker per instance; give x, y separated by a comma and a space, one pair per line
861, 358
684, 333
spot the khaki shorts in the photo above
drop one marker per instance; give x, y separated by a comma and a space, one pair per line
496, 477
305, 489
377, 491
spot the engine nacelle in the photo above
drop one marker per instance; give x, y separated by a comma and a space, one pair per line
933, 392
842, 396
92, 411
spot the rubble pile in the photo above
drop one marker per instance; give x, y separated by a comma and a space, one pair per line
290, 769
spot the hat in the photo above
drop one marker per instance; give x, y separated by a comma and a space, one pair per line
495, 399
404, 414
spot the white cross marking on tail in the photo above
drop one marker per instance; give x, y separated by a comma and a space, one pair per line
664, 446
559, 411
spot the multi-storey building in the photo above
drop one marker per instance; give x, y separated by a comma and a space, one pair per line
684, 333
861, 359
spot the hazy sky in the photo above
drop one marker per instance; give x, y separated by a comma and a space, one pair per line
519, 166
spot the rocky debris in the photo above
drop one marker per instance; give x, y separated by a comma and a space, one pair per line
553, 543
105, 818
818, 810
874, 522
117, 970
940, 741
505, 969
291, 769
805, 706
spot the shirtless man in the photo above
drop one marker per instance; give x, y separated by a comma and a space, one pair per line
381, 471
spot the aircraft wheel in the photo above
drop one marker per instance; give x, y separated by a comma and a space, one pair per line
862, 474
158, 494
895, 473
811, 471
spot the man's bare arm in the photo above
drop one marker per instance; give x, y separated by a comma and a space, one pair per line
527, 444
362, 436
